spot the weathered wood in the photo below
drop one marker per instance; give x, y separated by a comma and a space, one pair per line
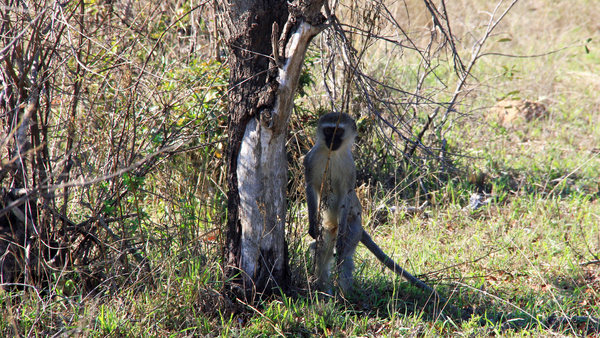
261, 97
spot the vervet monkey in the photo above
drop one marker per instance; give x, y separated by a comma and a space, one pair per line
330, 175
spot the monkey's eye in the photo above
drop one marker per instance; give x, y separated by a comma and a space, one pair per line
330, 130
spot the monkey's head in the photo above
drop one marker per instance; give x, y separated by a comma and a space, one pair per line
335, 129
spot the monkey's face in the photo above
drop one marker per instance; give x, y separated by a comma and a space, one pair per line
334, 137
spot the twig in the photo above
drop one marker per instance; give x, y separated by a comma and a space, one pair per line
3, 52
572, 172
420, 136
475, 55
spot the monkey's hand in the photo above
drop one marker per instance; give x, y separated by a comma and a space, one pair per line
312, 201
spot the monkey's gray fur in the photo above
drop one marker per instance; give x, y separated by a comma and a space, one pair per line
330, 175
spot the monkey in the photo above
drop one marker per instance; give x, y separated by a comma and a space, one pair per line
330, 175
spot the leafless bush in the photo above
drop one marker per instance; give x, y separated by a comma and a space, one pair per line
98, 101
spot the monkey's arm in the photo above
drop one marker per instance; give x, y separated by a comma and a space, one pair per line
312, 201
387, 261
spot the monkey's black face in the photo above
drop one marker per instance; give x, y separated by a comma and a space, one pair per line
333, 137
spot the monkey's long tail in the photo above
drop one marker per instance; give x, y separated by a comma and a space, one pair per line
387, 261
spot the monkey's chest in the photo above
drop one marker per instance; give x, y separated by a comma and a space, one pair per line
335, 180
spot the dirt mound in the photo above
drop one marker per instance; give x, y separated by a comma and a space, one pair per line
514, 112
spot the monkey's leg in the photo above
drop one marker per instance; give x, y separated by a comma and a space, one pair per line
346, 244
323, 258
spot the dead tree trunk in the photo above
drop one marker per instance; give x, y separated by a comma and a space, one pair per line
265, 64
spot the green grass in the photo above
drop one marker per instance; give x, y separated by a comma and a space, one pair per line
510, 266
